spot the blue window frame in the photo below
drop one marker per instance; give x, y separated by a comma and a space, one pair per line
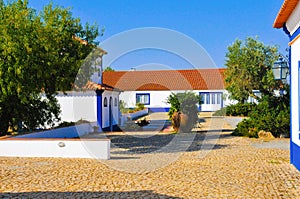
211, 98
143, 98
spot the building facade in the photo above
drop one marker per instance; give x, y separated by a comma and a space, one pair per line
288, 19
152, 88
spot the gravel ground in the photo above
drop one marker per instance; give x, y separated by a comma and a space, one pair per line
209, 164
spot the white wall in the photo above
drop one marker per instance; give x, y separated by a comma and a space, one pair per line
78, 105
295, 58
293, 21
62, 148
158, 99
83, 105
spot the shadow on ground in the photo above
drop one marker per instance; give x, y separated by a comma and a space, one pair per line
127, 194
171, 143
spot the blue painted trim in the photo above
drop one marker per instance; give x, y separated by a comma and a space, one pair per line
99, 108
160, 109
114, 127
137, 94
291, 109
295, 34
286, 30
295, 159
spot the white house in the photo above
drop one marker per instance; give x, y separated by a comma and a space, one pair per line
96, 102
288, 19
152, 88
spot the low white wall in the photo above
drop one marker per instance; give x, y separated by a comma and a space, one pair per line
60, 148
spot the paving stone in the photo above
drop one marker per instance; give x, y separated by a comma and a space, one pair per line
237, 169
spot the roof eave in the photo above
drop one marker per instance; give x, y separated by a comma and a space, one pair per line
285, 11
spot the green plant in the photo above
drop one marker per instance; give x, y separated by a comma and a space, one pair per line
140, 106
122, 106
65, 124
272, 114
240, 109
221, 112
186, 105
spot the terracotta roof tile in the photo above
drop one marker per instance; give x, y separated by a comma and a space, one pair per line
203, 79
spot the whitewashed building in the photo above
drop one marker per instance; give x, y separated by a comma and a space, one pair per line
98, 104
288, 19
152, 88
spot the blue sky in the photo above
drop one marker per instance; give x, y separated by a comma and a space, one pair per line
213, 24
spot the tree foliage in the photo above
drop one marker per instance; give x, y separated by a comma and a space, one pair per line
249, 67
108, 68
39, 52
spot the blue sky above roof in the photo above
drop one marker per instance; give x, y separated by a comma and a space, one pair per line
213, 24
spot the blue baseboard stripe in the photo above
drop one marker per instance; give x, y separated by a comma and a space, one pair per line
295, 155
159, 109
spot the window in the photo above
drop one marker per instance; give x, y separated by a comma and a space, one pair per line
213, 98
202, 98
143, 98
207, 98
116, 102
105, 102
219, 98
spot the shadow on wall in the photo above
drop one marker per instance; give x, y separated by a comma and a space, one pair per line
126, 194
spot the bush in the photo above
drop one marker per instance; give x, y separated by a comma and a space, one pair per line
221, 112
184, 110
246, 128
140, 107
240, 109
65, 124
272, 114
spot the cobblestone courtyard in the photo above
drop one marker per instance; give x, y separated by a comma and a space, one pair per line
214, 165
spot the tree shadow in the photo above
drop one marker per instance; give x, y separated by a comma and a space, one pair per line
50, 194
170, 143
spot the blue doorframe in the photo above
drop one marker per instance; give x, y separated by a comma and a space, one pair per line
99, 107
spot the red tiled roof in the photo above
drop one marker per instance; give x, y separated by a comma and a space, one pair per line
285, 11
202, 79
94, 86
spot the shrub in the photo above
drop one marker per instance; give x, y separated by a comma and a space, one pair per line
221, 112
240, 109
140, 107
65, 124
186, 105
271, 115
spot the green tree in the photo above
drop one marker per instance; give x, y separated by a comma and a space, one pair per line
108, 68
249, 67
39, 53
184, 104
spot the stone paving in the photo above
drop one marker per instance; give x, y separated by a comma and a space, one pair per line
207, 164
